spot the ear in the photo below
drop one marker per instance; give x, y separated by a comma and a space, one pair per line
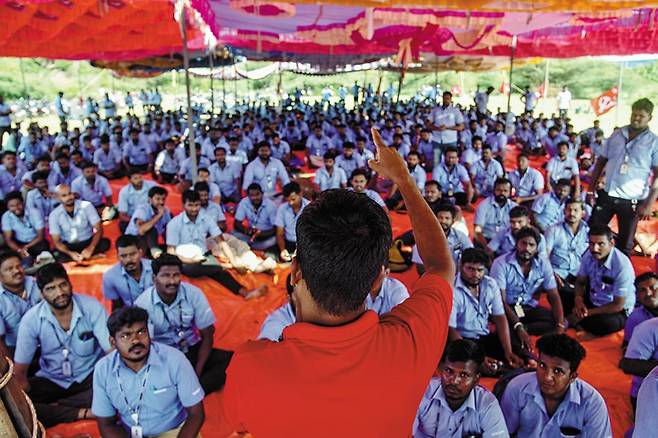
113, 342
573, 376
377, 284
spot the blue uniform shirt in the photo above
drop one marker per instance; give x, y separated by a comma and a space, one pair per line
318, 146
457, 242
519, 289
9, 182
479, 415
548, 209
36, 201
485, 175
265, 175
646, 420
349, 164
186, 315
137, 154
85, 341
13, 307
562, 169
185, 171
78, 228
643, 345
615, 277
107, 161
504, 242
637, 316
182, 230
117, 283
171, 385
57, 177
145, 213
262, 218
170, 164
391, 293
470, 315
92, 193
276, 321
225, 177
327, 181
583, 409
492, 217
287, 219
451, 179
566, 250
130, 198
24, 228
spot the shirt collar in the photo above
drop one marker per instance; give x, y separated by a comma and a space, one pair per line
45, 312
153, 360
146, 269
572, 395
318, 334
155, 298
608, 261
469, 403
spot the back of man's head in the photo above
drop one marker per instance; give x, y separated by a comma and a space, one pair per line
343, 240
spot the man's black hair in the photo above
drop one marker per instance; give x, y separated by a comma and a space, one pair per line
639, 279
201, 186
86, 164
157, 190
562, 347
463, 350
563, 182
601, 230
190, 196
451, 149
434, 183
49, 273
290, 188
343, 240
8, 254
415, 153
126, 240
527, 232
359, 171
447, 207
126, 316
519, 211
329, 155
13, 195
254, 186
39, 174
132, 171
475, 138
475, 256
501, 180
7, 153
165, 260
643, 104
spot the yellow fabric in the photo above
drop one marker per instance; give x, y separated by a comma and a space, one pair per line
173, 433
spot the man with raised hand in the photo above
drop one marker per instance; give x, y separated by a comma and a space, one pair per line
337, 357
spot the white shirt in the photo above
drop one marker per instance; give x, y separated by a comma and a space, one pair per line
564, 99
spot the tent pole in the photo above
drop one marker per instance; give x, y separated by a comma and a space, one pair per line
212, 83
20, 64
223, 87
402, 72
511, 74
436, 81
622, 65
546, 78
190, 121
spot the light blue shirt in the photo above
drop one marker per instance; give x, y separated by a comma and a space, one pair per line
641, 154
646, 420
529, 184
565, 249
281, 150
375, 197
327, 181
287, 219
470, 315
548, 209
583, 409
265, 175
479, 415
637, 316
170, 164
214, 211
225, 177
85, 341
457, 242
182, 230
78, 228
35, 201
145, 213
9, 182
503, 242
137, 154
644, 346
470, 156
107, 161
13, 307
492, 217
57, 177
95, 193
276, 321
485, 175
130, 197
185, 171
391, 293
171, 386
519, 289
29, 151
118, 284
497, 141
614, 277
349, 165
186, 315
318, 146
238, 158
419, 176
24, 228
453, 179
262, 218
567, 168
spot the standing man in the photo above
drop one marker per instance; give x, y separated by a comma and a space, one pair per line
5, 120
447, 122
630, 160
60, 109
564, 101
150, 386
132, 275
482, 100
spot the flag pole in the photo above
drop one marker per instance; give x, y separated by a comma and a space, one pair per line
622, 65
186, 63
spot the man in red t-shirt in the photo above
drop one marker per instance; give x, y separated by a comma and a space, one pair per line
341, 371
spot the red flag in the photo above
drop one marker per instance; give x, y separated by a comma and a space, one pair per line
605, 102
456, 90
504, 88
541, 90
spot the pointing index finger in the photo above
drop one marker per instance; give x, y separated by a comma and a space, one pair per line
379, 143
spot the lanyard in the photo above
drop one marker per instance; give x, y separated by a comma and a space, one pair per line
134, 412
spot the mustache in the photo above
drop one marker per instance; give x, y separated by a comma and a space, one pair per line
136, 346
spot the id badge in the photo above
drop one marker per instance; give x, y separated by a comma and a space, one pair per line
623, 169
136, 432
518, 309
66, 369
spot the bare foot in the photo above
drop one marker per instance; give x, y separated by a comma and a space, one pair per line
258, 292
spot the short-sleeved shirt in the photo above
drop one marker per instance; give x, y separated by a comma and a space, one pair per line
318, 146
118, 284
85, 341
186, 315
637, 316
548, 209
130, 197
107, 161
145, 212
449, 117
13, 307
485, 175
503, 242
92, 193
265, 175
492, 217
529, 184
518, 288
646, 420
565, 249
567, 168
419, 176
391, 293
470, 156
76, 228
225, 177
9, 182
336, 365
479, 415
457, 241
582, 409
171, 385
451, 179
181, 230
214, 211
470, 314
497, 141
287, 219
349, 165
137, 154
24, 228
327, 181
643, 345
262, 217
640, 156
238, 158
35, 200
57, 177
614, 277
170, 164
185, 171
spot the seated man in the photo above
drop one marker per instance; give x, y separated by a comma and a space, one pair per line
641, 355
127, 279
561, 167
71, 331
485, 172
185, 176
40, 198
227, 176
359, 184
168, 162
330, 176
265, 171
394, 201
522, 275
646, 420
137, 153
553, 401
193, 228
11, 173
646, 286
174, 396
92, 187
605, 294
150, 220
286, 220
131, 195
566, 242
23, 230
528, 182
181, 317
212, 209
260, 214
108, 159
454, 179
503, 241
454, 405
477, 300
492, 215
18, 294
548, 208
457, 240
75, 228
348, 160
62, 171
214, 194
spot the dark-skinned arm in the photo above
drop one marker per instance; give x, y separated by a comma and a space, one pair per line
195, 418
109, 428
556, 306
637, 367
205, 348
